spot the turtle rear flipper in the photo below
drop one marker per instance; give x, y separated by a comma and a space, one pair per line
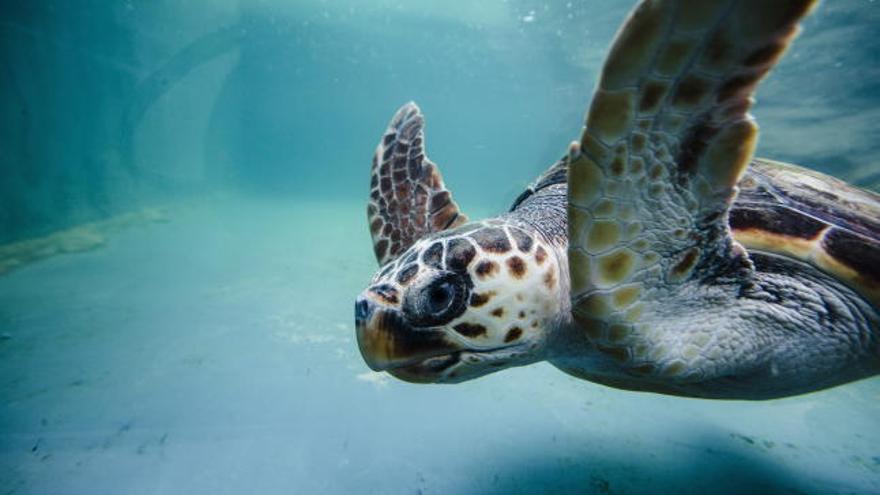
651, 181
407, 196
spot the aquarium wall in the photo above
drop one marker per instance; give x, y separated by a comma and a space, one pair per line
108, 106
113, 105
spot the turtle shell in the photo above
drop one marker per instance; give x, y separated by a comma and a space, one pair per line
786, 209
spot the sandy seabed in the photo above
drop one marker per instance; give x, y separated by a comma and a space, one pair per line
215, 354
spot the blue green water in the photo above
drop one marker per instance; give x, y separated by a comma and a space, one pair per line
213, 352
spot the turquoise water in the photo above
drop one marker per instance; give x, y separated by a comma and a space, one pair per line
208, 347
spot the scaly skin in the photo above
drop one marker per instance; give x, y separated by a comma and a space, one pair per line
794, 330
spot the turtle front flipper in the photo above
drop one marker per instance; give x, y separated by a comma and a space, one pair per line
407, 196
651, 181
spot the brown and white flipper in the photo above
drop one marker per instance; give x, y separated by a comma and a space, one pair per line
667, 137
407, 196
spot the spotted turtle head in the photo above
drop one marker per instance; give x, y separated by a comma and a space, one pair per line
458, 305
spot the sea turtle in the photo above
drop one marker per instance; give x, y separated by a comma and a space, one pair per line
656, 255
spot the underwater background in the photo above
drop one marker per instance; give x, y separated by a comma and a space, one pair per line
183, 234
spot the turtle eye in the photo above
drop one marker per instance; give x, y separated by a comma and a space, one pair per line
440, 296
436, 302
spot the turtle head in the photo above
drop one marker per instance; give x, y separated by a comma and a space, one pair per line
453, 300
458, 305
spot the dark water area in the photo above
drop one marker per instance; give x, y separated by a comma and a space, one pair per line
208, 164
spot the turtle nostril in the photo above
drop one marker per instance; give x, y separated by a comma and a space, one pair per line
362, 310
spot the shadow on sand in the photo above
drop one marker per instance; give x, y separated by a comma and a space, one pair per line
707, 463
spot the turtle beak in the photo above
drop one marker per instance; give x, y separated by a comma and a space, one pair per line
387, 341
